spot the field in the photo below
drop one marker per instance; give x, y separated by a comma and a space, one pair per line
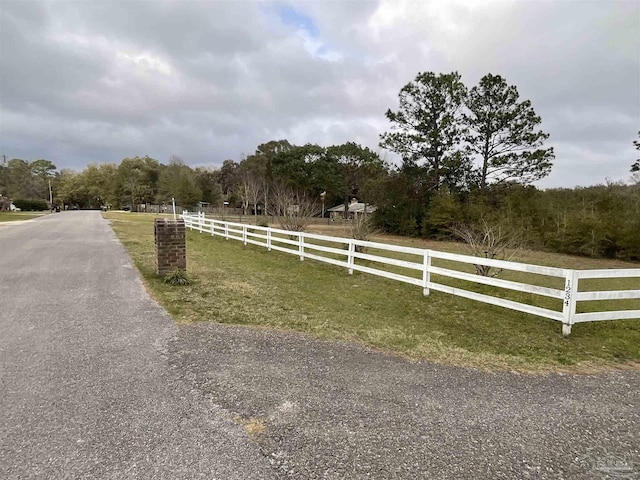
248, 285
16, 216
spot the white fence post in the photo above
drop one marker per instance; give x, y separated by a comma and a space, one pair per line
226, 231
201, 221
569, 302
350, 257
268, 240
426, 273
301, 246
244, 234
212, 227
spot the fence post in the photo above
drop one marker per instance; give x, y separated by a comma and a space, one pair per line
350, 257
268, 240
301, 246
244, 234
426, 273
201, 221
569, 302
226, 231
212, 228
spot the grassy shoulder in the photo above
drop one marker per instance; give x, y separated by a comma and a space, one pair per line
17, 216
249, 286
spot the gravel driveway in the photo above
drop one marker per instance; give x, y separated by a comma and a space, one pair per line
342, 411
97, 382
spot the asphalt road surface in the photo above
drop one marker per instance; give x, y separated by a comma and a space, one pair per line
97, 383
86, 389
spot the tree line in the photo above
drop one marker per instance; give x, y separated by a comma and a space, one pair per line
467, 157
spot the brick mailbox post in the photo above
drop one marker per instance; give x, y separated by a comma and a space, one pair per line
171, 247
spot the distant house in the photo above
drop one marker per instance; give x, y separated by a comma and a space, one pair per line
355, 209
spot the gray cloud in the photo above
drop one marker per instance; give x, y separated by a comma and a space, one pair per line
99, 81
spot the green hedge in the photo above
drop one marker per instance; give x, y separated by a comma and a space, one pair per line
31, 205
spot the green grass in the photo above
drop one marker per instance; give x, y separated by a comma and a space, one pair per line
235, 284
16, 216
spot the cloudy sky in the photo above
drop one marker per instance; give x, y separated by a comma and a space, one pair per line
97, 81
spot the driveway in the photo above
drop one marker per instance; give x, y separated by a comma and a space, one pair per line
98, 383
86, 388
341, 411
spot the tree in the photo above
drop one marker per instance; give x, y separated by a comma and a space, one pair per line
636, 166
44, 171
295, 168
293, 209
354, 166
207, 181
427, 127
227, 176
178, 181
502, 133
399, 197
487, 240
72, 190
138, 180
97, 183
19, 179
250, 183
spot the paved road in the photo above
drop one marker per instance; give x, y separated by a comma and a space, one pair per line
86, 389
341, 411
96, 383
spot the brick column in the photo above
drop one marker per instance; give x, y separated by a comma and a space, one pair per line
171, 248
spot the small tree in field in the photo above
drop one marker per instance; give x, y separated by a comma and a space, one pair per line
293, 210
362, 228
491, 241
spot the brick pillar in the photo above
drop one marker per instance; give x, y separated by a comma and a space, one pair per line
171, 248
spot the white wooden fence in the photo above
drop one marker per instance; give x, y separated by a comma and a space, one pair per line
305, 245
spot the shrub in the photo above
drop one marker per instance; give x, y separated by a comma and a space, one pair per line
31, 205
177, 277
362, 228
488, 240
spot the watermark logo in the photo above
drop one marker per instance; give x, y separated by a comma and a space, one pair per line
610, 466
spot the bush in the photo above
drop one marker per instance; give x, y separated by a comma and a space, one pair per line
31, 205
177, 277
362, 228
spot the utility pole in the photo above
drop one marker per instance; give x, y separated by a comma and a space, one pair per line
4, 160
50, 195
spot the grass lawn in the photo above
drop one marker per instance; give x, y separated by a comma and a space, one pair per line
247, 285
15, 216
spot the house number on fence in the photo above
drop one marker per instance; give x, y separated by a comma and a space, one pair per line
567, 293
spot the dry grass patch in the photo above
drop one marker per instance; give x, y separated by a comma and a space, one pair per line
254, 427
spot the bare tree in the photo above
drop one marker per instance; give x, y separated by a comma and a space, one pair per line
294, 210
362, 228
250, 190
491, 241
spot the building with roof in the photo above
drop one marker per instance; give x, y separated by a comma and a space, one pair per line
355, 209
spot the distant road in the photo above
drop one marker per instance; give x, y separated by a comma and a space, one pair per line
86, 390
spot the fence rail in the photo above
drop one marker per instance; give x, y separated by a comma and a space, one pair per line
349, 251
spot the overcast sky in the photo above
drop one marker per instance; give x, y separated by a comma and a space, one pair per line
98, 81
